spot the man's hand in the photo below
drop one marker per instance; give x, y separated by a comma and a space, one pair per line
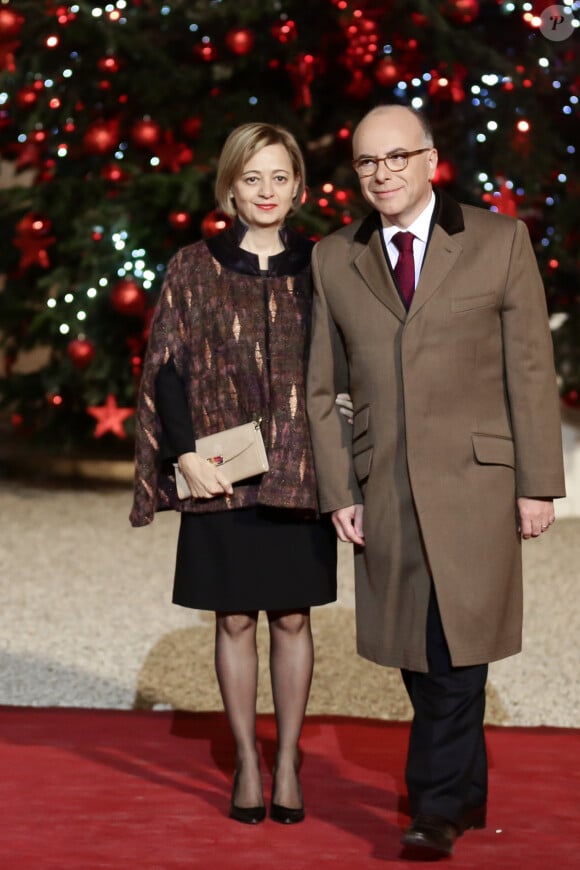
203, 478
348, 523
536, 515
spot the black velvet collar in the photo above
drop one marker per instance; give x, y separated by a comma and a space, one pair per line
447, 213
295, 257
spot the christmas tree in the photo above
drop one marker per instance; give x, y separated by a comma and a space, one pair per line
112, 118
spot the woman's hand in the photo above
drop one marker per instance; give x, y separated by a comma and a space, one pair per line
343, 402
203, 478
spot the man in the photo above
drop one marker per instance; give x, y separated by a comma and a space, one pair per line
454, 454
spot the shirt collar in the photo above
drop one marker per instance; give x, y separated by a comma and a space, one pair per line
420, 226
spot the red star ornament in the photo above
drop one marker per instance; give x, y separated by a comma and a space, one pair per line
34, 252
172, 155
110, 417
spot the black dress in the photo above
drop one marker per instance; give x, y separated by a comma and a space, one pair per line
247, 559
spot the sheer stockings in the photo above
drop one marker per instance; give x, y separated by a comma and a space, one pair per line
291, 664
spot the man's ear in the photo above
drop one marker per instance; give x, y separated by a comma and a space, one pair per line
432, 160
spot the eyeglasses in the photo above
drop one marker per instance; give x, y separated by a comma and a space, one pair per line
396, 162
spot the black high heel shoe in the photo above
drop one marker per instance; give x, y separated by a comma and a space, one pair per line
247, 815
285, 815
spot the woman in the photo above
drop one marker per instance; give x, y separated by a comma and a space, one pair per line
228, 345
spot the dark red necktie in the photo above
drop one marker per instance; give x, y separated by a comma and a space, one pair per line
405, 269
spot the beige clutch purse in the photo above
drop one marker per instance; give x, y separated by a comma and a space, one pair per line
239, 452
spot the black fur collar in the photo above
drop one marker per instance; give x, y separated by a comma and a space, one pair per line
295, 257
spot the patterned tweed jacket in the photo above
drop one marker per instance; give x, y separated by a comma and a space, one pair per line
238, 339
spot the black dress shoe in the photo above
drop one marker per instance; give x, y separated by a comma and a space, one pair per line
429, 837
473, 818
247, 815
286, 815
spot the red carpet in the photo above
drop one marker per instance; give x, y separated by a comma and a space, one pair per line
121, 789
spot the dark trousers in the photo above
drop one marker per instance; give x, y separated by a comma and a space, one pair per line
446, 763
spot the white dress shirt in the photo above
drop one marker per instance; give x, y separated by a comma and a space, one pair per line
420, 229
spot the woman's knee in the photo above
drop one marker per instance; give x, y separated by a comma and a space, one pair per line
290, 622
236, 624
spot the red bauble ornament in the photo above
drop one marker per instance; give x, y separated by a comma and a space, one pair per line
45, 171
366, 26
572, 398
192, 126
448, 86
205, 51
386, 72
463, 11
128, 298
360, 85
214, 222
419, 20
439, 86
146, 133
113, 172
54, 399
445, 173
101, 137
109, 64
240, 40
63, 14
179, 219
29, 154
81, 351
26, 97
10, 24
284, 31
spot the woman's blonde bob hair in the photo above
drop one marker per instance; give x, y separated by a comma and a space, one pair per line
240, 146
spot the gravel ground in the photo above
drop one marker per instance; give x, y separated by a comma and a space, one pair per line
86, 620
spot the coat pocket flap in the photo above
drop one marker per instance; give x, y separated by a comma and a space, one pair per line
360, 421
362, 463
469, 302
493, 450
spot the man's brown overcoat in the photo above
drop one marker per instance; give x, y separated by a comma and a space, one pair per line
456, 414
